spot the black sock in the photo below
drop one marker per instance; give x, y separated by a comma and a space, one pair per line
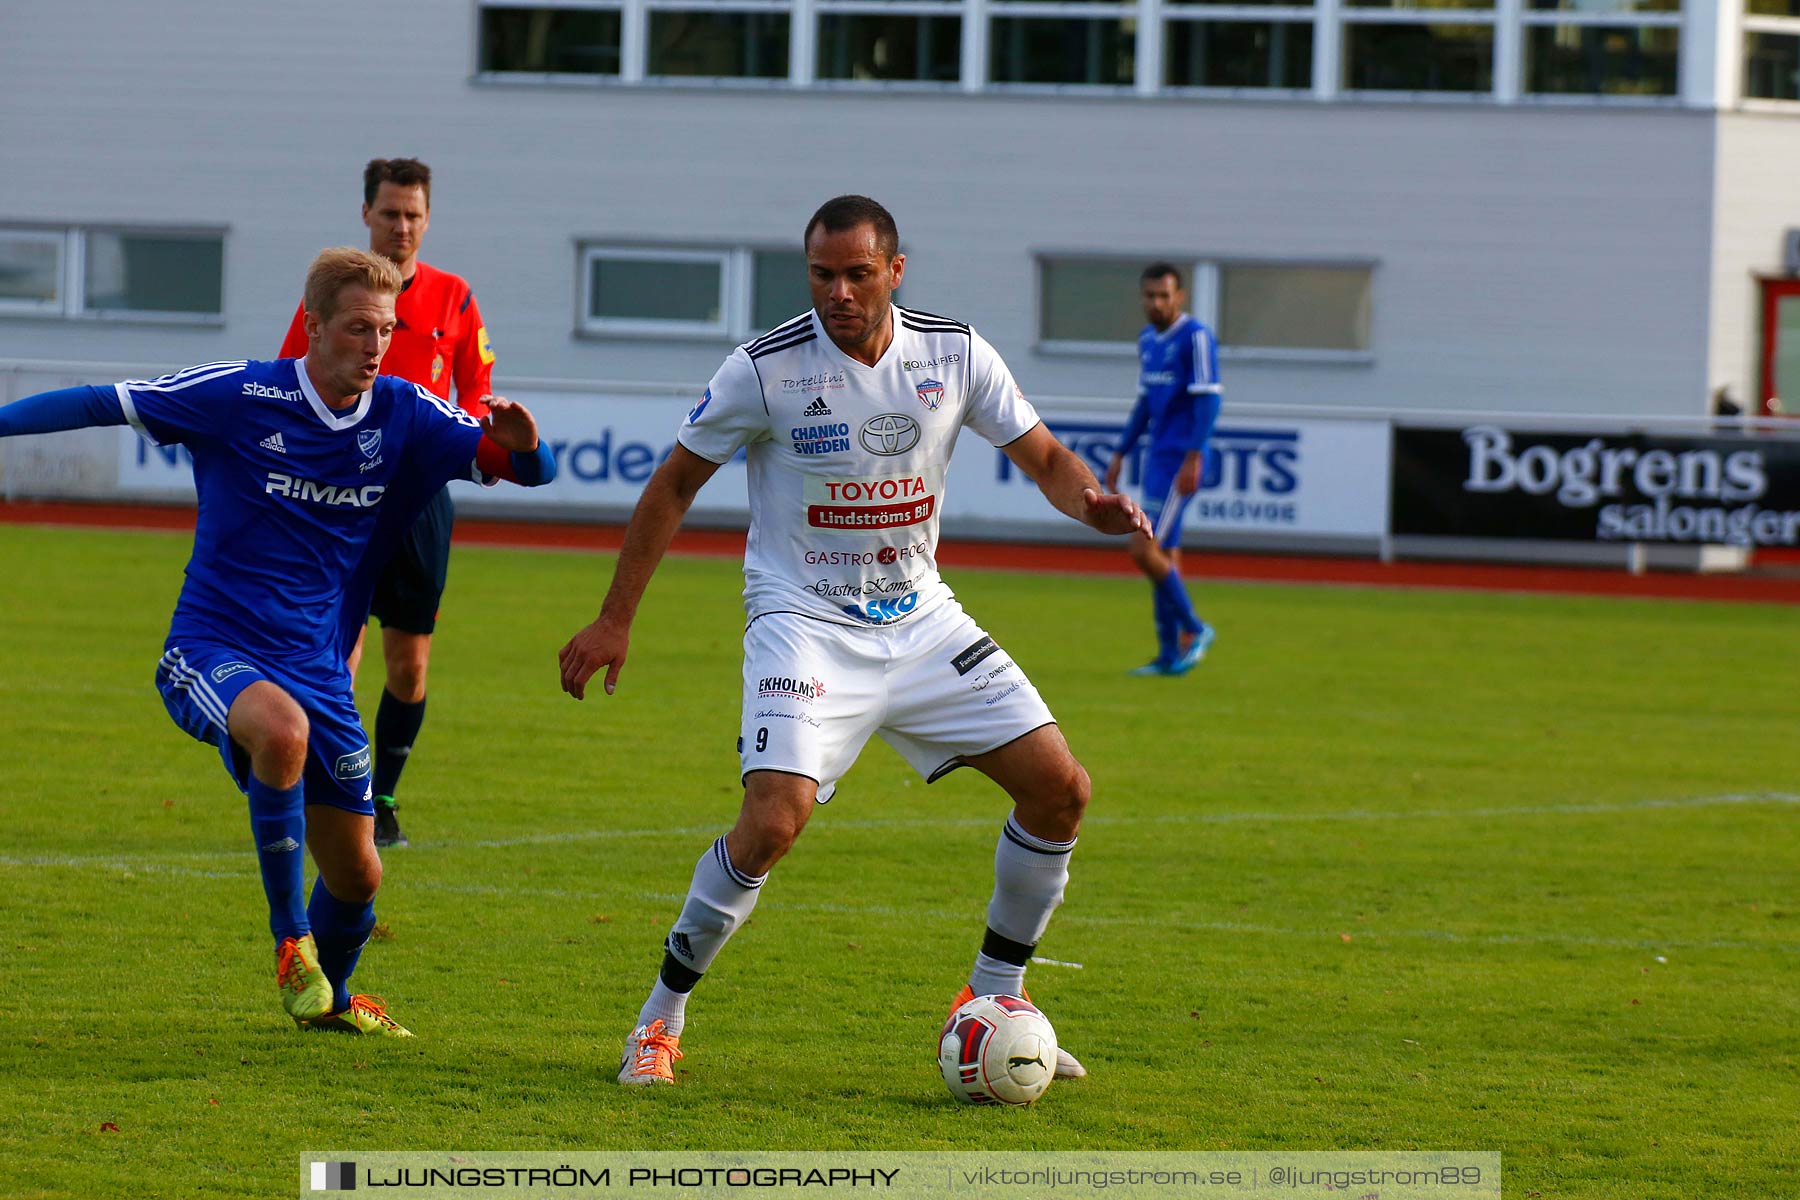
396, 728
676, 975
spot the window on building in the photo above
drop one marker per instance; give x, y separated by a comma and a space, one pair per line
1239, 53
1623, 49
1772, 49
1063, 50
1317, 309
707, 42
1605, 60
154, 274
778, 288
713, 292
1091, 301
1772, 65
1415, 12
1602, 47
1601, 8
655, 291
1294, 306
871, 48
1392, 56
551, 41
31, 271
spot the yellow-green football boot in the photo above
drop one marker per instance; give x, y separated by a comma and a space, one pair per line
366, 1014
305, 992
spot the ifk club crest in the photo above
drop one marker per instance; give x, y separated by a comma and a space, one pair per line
931, 394
369, 442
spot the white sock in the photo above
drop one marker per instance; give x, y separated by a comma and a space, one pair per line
1029, 876
1030, 873
666, 1005
718, 900
994, 977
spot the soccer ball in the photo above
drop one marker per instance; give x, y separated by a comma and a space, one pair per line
997, 1050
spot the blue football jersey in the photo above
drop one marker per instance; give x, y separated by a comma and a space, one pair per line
293, 495
1178, 385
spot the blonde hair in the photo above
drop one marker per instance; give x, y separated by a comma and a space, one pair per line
345, 267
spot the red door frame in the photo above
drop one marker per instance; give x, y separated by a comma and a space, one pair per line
1773, 291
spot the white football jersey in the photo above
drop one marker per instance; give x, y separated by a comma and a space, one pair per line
847, 461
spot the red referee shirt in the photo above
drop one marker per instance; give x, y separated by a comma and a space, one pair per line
440, 337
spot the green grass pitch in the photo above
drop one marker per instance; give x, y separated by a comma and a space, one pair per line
1391, 870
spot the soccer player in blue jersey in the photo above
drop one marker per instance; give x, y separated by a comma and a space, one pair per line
309, 471
1178, 403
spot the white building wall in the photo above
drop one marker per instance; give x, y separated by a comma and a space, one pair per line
1548, 258
1757, 201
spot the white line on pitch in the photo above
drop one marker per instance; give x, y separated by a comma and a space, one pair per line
1099, 821
1162, 924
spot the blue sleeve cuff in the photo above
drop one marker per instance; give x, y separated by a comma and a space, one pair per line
1206, 415
534, 468
65, 408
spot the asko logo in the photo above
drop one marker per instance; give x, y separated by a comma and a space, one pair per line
886, 611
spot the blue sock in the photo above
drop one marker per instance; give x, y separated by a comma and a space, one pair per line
1173, 592
1167, 646
341, 929
278, 821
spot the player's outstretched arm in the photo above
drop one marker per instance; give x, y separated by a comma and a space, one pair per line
510, 425
653, 524
1069, 484
65, 408
510, 448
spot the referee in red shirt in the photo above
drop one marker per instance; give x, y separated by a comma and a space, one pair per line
440, 339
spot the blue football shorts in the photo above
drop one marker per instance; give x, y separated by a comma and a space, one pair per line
200, 680
1161, 502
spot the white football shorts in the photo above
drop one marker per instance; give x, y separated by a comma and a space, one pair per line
936, 688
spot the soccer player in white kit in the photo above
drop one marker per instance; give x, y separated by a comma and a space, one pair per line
848, 414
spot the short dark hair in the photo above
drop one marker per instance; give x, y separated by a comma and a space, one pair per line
1158, 269
847, 212
406, 172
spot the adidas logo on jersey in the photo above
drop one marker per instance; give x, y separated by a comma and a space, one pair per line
274, 442
818, 408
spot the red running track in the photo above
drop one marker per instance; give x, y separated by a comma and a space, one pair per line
1775, 580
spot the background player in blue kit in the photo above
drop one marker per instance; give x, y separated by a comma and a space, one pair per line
1178, 403
308, 471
